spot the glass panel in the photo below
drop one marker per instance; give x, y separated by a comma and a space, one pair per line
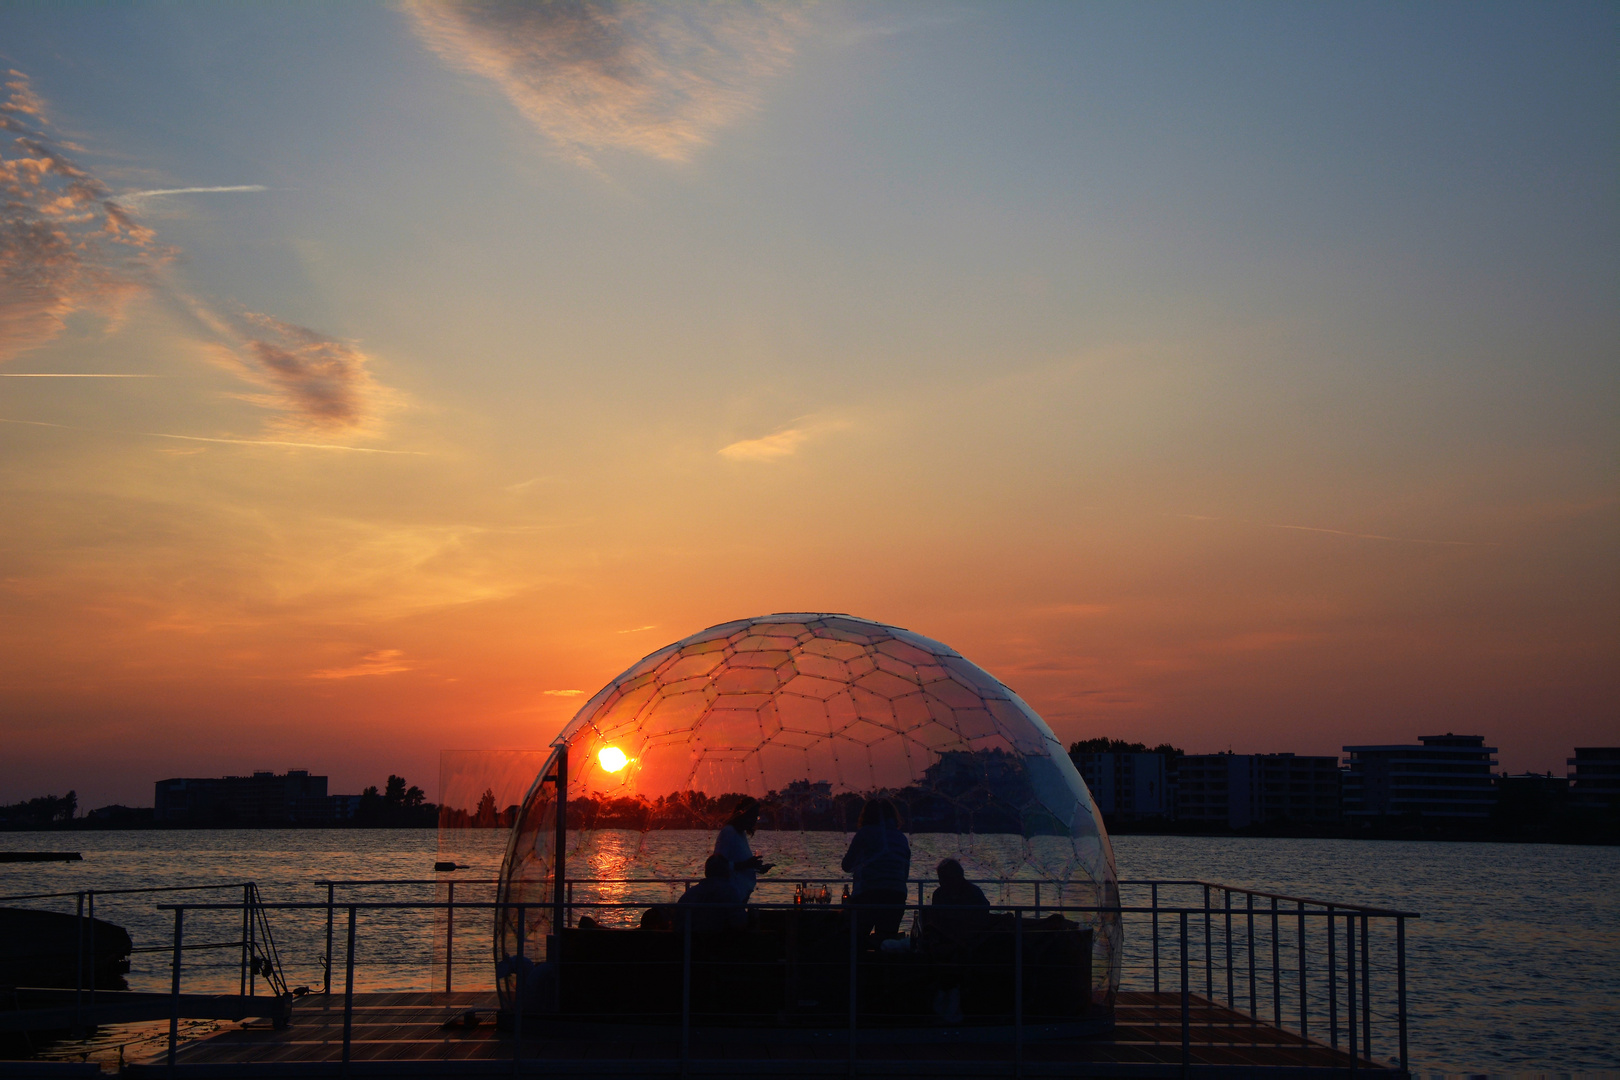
811, 715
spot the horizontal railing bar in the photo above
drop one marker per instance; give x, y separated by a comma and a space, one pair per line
424, 905
188, 948
440, 880
783, 880
1340, 907
125, 892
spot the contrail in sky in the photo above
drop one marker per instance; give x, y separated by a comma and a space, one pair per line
191, 191
1343, 532
234, 442
279, 442
1373, 536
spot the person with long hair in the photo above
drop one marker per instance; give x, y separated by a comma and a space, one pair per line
732, 845
879, 859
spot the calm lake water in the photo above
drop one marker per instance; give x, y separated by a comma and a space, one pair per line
1514, 967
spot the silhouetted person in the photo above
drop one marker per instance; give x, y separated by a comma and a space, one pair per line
732, 843
959, 909
879, 859
657, 917
713, 903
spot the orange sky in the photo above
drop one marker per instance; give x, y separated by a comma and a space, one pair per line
1184, 375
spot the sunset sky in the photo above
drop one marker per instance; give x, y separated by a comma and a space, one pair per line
1240, 375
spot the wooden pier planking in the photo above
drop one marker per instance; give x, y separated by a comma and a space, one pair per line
407, 1028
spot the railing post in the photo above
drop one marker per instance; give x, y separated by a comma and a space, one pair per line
1231, 993
1018, 992
92, 895
327, 990
242, 981
1304, 1032
1400, 983
1350, 986
1333, 980
78, 974
854, 980
1276, 968
1209, 952
686, 987
348, 992
174, 985
252, 939
1186, 1001
1366, 994
1254, 1006
1155, 906
518, 1002
449, 934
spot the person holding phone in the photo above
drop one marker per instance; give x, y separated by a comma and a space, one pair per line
732, 845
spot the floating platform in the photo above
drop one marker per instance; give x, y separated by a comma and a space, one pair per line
40, 856
427, 1035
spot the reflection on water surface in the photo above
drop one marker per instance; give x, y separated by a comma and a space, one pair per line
1515, 965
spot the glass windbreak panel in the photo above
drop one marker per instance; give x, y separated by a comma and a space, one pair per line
480, 792
813, 716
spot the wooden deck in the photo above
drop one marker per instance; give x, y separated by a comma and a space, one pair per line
416, 1034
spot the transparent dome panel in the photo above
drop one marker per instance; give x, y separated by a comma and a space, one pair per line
811, 715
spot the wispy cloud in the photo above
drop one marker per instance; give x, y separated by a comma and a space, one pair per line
778, 444
70, 375
65, 244
656, 79
767, 448
639, 629
562, 693
382, 662
317, 383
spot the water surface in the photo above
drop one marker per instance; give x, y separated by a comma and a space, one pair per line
1514, 966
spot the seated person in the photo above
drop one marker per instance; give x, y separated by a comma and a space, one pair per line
657, 917
714, 903
959, 907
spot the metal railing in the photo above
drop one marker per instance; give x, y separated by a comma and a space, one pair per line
1235, 939
258, 955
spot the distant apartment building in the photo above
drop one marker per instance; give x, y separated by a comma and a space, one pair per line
293, 797
1594, 777
1238, 790
1446, 776
1128, 786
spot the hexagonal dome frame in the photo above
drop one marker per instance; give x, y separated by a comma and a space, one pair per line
811, 713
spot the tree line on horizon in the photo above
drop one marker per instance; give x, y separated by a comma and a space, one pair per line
44, 812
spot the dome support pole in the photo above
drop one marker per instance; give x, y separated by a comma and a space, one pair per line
560, 866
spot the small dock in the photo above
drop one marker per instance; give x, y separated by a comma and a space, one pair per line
423, 1035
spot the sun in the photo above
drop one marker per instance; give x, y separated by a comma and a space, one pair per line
611, 758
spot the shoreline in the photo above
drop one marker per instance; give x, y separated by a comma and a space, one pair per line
1601, 832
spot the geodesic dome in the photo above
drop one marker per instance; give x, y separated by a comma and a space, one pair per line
810, 714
